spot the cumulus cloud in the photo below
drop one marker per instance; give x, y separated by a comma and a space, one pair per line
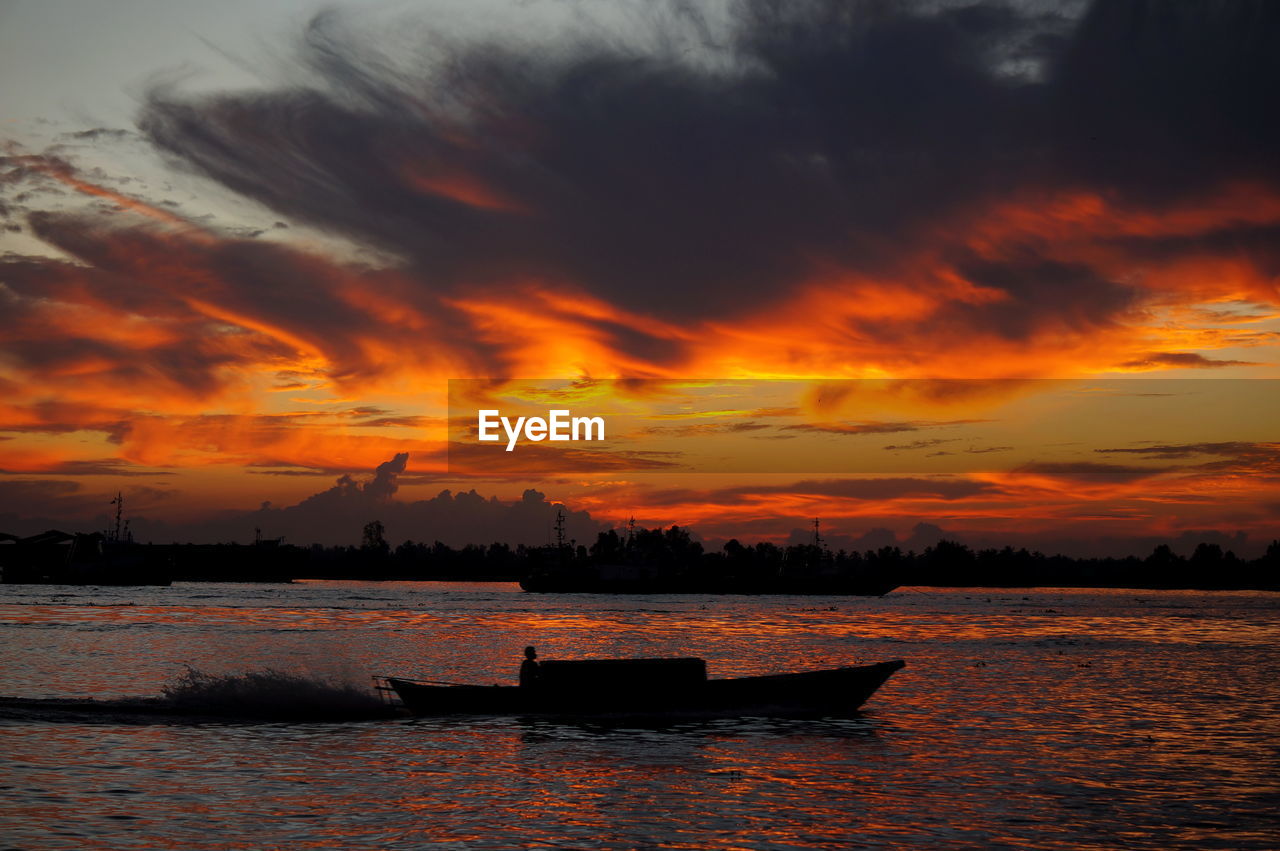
337, 516
333, 516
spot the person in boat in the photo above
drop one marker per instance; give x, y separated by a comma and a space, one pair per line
529, 668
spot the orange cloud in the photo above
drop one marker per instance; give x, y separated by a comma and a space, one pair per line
462, 188
66, 174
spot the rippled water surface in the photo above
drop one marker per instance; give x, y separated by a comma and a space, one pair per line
1024, 718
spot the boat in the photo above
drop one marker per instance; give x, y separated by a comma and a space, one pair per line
629, 579
95, 558
665, 689
810, 569
64, 558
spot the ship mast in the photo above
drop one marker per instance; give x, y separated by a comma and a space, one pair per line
118, 502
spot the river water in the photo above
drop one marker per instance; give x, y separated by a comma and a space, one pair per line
1043, 718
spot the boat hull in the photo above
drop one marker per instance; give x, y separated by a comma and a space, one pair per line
593, 582
810, 694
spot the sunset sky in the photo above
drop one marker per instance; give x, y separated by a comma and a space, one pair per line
246, 246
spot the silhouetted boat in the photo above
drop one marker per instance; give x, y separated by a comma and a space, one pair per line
628, 579
96, 558
62, 558
651, 688
804, 570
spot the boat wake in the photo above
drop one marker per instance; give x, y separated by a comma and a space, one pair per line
195, 696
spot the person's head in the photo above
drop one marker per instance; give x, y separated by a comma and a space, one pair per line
530, 653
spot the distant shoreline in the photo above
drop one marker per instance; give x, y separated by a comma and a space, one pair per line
659, 561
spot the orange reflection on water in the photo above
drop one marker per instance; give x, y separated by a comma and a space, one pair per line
1023, 718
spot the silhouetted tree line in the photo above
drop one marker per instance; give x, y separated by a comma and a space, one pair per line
1208, 568
669, 559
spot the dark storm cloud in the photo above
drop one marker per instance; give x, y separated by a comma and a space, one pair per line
872, 489
45, 335
45, 277
103, 467
829, 132
1258, 245
1182, 360
398, 422
1235, 449
921, 444
1088, 471
1038, 292
1162, 97
657, 184
147, 271
886, 488
1239, 457
850, 428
